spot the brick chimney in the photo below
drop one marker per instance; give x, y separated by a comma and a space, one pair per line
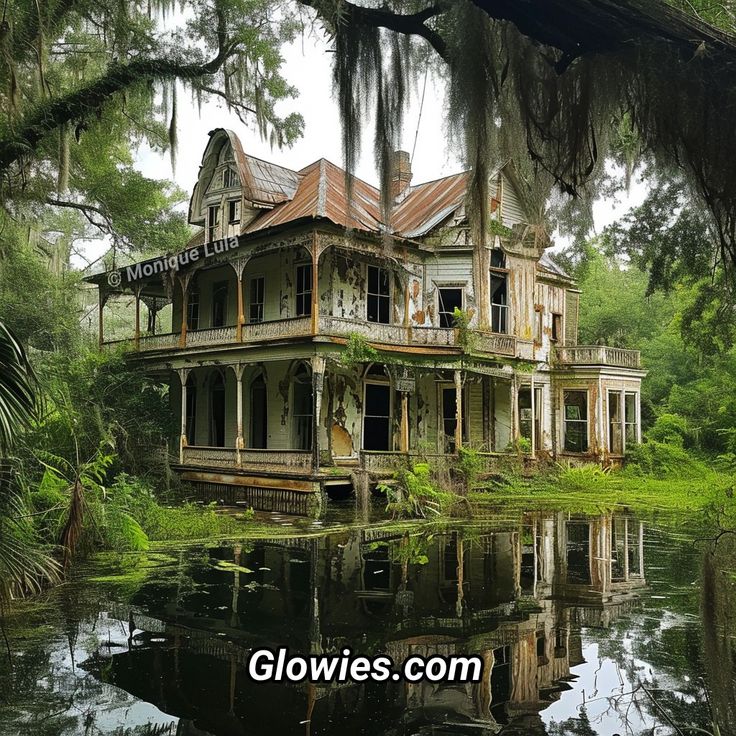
400, 172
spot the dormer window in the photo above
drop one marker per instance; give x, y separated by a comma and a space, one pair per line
230, 179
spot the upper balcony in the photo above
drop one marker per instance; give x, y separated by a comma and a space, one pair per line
597, 355
326, 327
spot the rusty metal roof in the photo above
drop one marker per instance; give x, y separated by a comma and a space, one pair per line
428, 205
321, 193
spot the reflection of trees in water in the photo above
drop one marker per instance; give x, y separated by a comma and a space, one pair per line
718, 609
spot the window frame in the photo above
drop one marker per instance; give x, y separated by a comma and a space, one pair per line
233, 204
503, 310
213, 228
585, 422
217, 287
378, 296
193, 300
376, 381
454, 287
305, 309
262, 304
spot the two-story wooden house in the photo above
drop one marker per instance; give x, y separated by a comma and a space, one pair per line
310, 341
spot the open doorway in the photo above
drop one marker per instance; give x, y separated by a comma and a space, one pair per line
258, 413
217, 410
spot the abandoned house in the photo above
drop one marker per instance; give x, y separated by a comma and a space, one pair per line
307, 343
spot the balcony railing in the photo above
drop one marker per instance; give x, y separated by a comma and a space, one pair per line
227, 457
484, 342
597, 355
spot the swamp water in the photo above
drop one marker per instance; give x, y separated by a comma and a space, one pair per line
586, 625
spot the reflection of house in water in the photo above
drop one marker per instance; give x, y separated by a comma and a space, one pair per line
515, 597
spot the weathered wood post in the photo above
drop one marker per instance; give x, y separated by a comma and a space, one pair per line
183, 377
318, 378
184, 279
238, 265
238, 369
458, 410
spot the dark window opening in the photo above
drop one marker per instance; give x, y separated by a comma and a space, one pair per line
191, 411
230, 179
501, 683
556, 327
233, 211
498, 258
304, 290
303, 409
219, 304
258, 414
449, 299
193, 311
449, 417
379, 295
578, 553
256, 296
217, 411
377, 417
575, 407
529, 417
213, 222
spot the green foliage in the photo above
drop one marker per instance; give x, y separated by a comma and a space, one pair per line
581, 477
17, 390
660, 460
469, 466
465, 336
671, 429
414, 494
358, 351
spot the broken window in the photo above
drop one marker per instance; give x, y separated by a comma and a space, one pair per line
631, 427
304, 290
258, 413
575, 406
499, 292
193, 311
256, 292
449, 417
623, 429
230, 178
303, 409
213, 222
529, 416
217, 410
377, 417
219, 304
448, 300
233, 211
379, 295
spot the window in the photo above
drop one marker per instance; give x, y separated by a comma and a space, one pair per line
379, 299
499, 292
230, 179
304, 290
623, 429
219, 304
377, 417
303, 411
556, 327
529, 417
233, 211
193, 311
449, 417
448, 300
631, 425
213, 222
256, 291
575, 421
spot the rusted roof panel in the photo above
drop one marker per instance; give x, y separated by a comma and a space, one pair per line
269, 183
427, 205
321, 193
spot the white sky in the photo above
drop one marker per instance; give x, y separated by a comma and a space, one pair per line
308, 67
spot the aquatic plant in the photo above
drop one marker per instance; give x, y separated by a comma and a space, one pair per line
413, 493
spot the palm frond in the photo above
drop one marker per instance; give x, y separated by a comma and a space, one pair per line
17, 390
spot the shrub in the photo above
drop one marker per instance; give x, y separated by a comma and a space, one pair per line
671, 429
469, 466
660, 459
582, 477
414, 494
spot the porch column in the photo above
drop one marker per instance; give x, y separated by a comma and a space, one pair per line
183, 376
515, 426
318, 378
315, 288
238, 369
404, 442
534, 419
184, 279
458, 410
101, 301
238, 265
137, 294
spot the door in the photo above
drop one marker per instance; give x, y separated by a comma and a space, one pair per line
377, 417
